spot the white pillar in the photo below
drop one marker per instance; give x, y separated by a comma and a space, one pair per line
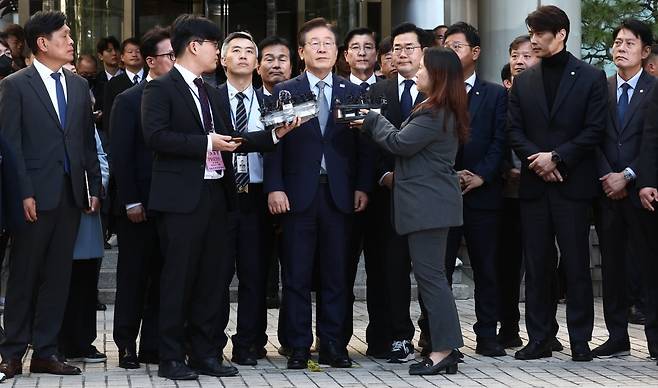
425, 14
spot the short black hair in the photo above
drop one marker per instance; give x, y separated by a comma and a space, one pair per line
506, 73
358, 31
425, 39
16, 31
151, 39
273, 40
518, 41
313, 24
132, 40
470, 33
548, 18
385, 47
43, 23
188, 27
639, 28
104, 44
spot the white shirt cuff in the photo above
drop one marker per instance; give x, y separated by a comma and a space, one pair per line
133, 205
381, 180
275, 139
630, 170
209, 146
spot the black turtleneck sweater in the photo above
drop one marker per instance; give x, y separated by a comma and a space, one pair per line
552, 70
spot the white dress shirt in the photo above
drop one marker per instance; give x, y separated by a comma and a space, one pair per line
253, 124
44, 73
357, 81
313, 83
413, 90
131, 75
631, 82
470, 82
110, 76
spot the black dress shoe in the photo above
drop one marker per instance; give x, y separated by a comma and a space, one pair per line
534, 350
176, 370
213, 366
580, 351
128, 359
613, 348
243, 356
449, 365
52, 365
299, 358
11, 368
653, 350
509, 340
149, 357
91, 356
556, 345
489, 347
285, 351
261, 353
333, 355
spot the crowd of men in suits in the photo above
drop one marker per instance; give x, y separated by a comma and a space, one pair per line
201, 190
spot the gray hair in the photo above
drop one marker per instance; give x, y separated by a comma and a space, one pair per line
236, 35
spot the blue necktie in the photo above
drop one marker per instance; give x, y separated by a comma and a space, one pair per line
622, 104
61, 107
405, 101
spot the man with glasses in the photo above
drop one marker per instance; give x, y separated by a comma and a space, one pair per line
361, 55
478, 165
140, 257
318, 178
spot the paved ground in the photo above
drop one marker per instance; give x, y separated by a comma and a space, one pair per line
636, 369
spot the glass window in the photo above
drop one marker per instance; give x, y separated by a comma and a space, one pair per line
344, 14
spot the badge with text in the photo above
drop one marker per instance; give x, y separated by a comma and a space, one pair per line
214, 161
241, 164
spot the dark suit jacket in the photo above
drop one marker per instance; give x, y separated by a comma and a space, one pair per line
225, 104
174, 131
133, 161
648, 162
32, 130
11, 203
622, 141
295, 165
114, 87
384, 160
574, 127
484, 151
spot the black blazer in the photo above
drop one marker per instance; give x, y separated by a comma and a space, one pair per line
225, 104
622, 141
173, 130
574, 127
114, 87
484, 151
32, 130
648, 161
11, 203
388, 88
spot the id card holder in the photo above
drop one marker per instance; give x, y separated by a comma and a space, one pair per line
214, 161
241, 164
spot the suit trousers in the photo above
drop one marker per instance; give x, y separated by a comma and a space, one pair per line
39, 277
543, 220
195, 247
649, 269
480, 231
326, 228
427, 249
78, 331
509, 267
138, 285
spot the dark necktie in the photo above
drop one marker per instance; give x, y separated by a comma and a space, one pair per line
241, 122
61, 107
205, 105
365, 86
136, 79
406, 104
622, 104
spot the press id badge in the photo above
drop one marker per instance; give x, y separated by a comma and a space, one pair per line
242, 164
214, 161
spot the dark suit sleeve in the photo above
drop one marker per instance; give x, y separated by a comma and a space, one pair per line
156, 125
573, 150
259, 141
11, 131
92, 165
602, 164
108, 101
383, 162
489, 167
366, 155
516, 126
124, 124
648, 160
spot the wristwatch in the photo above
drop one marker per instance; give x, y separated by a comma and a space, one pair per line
555, 157
628, 175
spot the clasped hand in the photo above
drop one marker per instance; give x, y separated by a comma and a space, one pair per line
543, 165
614, 185
469, 181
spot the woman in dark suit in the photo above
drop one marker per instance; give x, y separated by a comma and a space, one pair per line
427, 198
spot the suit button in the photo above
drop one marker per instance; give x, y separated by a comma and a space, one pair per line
619, 145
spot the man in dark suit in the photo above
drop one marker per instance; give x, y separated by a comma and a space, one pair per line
45, 118
318, 177
478, 164
556, 120
380, 240
140, 258
193, 189
274, 62
107, 50
618, 212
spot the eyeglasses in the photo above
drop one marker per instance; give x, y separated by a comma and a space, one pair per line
456, 46
407, 49
316, 44
212, 42
357, 49
171, 55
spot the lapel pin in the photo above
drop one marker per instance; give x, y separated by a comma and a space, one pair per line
641, 90
478, 93
573, 73
342, 85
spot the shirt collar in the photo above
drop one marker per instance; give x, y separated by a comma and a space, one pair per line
149, 78
401, 79
188, 76
44, 71
266, 92
313, 80
131, 75
631, 82
471, 80
355, 80
110, 76
232, 91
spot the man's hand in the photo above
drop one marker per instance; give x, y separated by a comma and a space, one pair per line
553, 176
136, 214
360, 201
30, 209
613, 183
387, 180
471, 181
542, 163
277, 202
513, 174
223, 143
281, 131
647, 196
619, 195
94, 206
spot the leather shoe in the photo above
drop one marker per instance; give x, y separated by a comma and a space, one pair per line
534, 350
489, 347
261, 353
285, 351
653, 350
11, 368
612, 348
333, 355
556, 345
243, 356
213, 366
299, 358
509, 341
427, 367
52, 365
580, 351
128, 359
149, 357
176, 370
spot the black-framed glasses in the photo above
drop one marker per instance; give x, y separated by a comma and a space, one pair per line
213, 42
456, 46
171, 55
407, 49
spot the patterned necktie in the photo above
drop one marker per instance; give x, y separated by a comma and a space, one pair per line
241, 123
622, 104
205, 111
405, 100
323, 116
136, 79
61, 107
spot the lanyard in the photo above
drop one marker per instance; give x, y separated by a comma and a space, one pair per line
212, 124
251, 103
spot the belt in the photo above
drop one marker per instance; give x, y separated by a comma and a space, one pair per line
324, 178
